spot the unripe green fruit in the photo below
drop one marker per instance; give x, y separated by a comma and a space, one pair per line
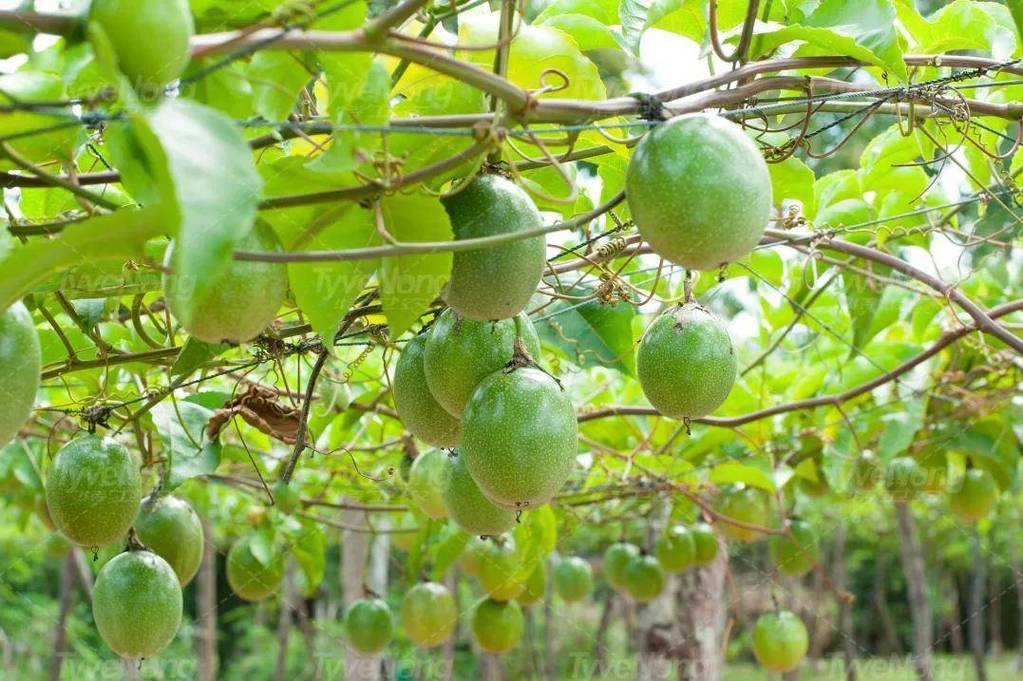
136, 603
250, 579
644, 578
535, 586
497, 571
780, 641
676, 549
93, 490
686, 364
467, 506
152, 44
976, 495
496, 282
866, 471
497, 625
472, 554
369, 625
573, 579
519, 437
934, 465
616, 559
699, 191
417, 408
286, 498
242, 300
460, 353
173, 531
903, 478
19, 369
815, 489
428, 614
797, 554
706, 543
426, 483
748, 505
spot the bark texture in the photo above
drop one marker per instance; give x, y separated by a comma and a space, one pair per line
916, 583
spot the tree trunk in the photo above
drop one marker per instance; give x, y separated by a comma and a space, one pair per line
206, 607
889, 643
355, 550
284, 621
845, 615
994, 608
448, 671
976, 614
492, 670
657, 636
600, 640
67, 585
1017, 580
955, 625
916, 584
700, 613
549, 630
130, 669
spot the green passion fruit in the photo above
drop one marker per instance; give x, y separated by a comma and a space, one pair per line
904, 478
795, 554
136, 603
748, 505
426, 483
616, 558
573, 579
417, 408
535, 586
676, 549
286, 498
151, 46
686, 364
428, 614
172, 530
497, 625
19, 369
241, 301
467, 506
644, 578
461, 352
499, 565
472, 554
934, 464
975, 496
497, 282
780, 641
250, 577
93, 490
866, 471
699, 191
369, 625
706, 544
519, 437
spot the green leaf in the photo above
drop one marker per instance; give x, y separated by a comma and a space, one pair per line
993, 446
591, 334
194, 354
310, 549
277, 78
184, 439
446, 552
352, 148
534, 540
732, 472
793, 180
684, 17
417, 554
409, 283
900, 429
960, 25
226, 89
588, 33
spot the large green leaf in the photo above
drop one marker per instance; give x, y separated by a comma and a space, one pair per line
793, 180
184, 439
960, 25
277, 78
993, 446
352, 148
685, 17
591, 333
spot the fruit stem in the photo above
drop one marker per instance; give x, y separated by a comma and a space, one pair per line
687, 287
133, 542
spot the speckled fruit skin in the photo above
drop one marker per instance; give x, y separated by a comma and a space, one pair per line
151, 46
369, 625
497, 625
644, 578
706, 543
496, 282
975, 496
418, 409
536, 585
472, 554
797, 554
686, 364
243, 299
173, 531
428, 614
460, 353
519, 437
676, 549
573, 579
250, 579
426, 483
19, 369
498, 565
780, 641
616, 559
747, 505
699, 191
466, 504
136, 603
93, 490
903, 478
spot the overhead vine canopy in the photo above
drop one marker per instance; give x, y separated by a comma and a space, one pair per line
330, 151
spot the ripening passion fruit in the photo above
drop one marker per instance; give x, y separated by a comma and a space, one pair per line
699, 191
173, 531
780, 641
467, 505
253, 577
426, 483
747, 505
676, 549
706, 543
535, 586
418, 409
19, 369
975, 496
428, 614
497, 625
644, 578
686, 364
795, 554
498, 568
616, 558
573, 579
369, 625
